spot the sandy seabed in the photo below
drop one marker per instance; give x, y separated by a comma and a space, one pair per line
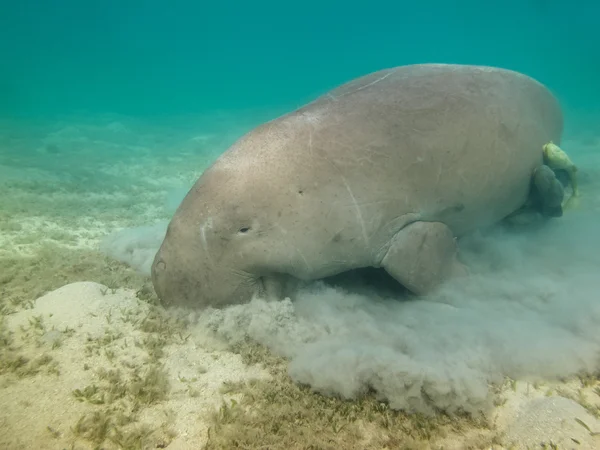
88, 360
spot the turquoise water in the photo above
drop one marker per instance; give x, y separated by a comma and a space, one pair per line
149, 58
110, 110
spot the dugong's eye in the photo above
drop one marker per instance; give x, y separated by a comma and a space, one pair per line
244, 230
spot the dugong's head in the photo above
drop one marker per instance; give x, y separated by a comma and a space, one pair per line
220, 243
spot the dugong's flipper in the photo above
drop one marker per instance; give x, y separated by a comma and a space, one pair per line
423, 255
549, 191
545, 199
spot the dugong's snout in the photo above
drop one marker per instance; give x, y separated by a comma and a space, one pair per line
173, 283
171, 280
158, 274
195, 283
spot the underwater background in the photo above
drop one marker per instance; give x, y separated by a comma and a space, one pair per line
149, 58
110, 111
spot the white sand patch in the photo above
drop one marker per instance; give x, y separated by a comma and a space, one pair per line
553, 420
532, 416
106, 344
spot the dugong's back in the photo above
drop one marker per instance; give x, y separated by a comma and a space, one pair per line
445, 142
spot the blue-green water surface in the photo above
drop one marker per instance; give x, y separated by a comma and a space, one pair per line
179, 57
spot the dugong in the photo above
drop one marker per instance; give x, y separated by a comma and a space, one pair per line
385, 171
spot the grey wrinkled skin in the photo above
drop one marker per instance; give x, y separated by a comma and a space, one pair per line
384, 171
